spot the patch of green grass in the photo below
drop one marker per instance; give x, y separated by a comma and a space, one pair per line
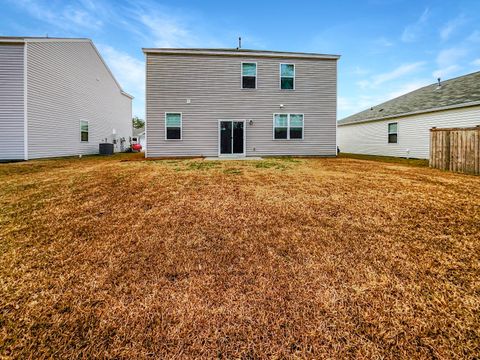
201, 165
274, 165
232, 171
289, 159
387, 159
264, 164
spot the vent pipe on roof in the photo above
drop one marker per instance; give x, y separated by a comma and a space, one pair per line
439, 83
239, 43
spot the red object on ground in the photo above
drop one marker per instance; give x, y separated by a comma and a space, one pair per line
136, 147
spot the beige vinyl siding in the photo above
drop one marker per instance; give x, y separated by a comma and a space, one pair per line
371, 138
213, 85
67, 83
11, 102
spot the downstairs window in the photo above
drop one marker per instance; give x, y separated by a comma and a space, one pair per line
392, 133
288, 126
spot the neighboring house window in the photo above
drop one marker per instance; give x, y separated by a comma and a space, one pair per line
288, 126
287, 76
173, 126
392, 133
249, 75
84, 131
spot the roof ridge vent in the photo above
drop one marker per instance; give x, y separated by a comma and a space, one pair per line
439, 85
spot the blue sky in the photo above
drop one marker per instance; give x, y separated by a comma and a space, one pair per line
388, 47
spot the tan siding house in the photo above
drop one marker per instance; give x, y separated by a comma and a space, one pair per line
222, 102
65, 101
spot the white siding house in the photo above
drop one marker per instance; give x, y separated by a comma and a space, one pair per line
401, 127
58, 98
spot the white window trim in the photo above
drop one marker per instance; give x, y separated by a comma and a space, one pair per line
241, 75
294, 77
181, 125
288, 126
389, 133
88, 132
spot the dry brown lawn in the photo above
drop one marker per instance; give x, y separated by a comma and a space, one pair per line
282, 258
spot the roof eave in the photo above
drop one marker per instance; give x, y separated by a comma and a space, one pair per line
238, 53
449, 107
127, 94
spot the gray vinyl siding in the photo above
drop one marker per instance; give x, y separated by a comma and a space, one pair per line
11, 102
370, 138
67, 82
213, 84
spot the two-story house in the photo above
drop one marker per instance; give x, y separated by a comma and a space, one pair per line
58, 98
231, 102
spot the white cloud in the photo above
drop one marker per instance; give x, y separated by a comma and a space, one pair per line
450, 56
72, 17
448, 61
408, 87
353, 104
395, 74
447, 71
167, 32
383, 42
160, 26
398, 72
412, 31
476, 62
359, 71
451, 26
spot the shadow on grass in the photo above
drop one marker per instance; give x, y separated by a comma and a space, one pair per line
386, 159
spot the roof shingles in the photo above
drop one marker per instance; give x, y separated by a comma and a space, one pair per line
454, 92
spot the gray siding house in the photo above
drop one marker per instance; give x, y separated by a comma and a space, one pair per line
230, 102
58, 98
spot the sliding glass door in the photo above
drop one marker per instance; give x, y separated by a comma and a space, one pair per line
232, 137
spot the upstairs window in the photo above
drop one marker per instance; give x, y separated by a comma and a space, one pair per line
249, 75
392, 133
288, 126
287, 76
83, 130
173, 126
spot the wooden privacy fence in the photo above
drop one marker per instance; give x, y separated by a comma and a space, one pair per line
456, 149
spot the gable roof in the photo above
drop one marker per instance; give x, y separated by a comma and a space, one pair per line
239, 52
25, 39
458, 92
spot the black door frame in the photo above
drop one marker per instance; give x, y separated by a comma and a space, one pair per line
244, 139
